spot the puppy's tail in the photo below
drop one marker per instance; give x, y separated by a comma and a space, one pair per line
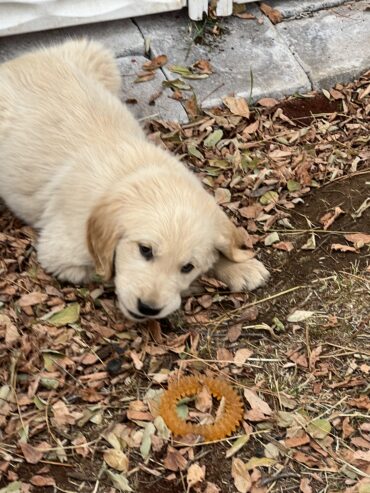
94, 60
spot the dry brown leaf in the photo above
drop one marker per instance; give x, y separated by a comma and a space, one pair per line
157, 62
222, 195
337, 94
191, 106
297, 441
256, 402
245, 15
364, 93
251, 211
30, 453
362, 402
154, 328
241, 356
195, 474
224, 356
362, 455
286, 246
203, 66
327, 219
144, 77
314, 356
308, 460
234, 332
250, 314
365, 368
116, 459
212, 488
136, 360
274, 15
11, 332
251, 129
304, 485
358, 239
63, 416
361, 442
237, 106
267, 102
31, 299
174, 460
203, 401
298, 358
347, 428
38, 480
342, 248
241, 476
81, 445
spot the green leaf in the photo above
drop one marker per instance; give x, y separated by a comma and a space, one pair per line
278, 324
39, 403
269, 197
310, 244
319, 428
300, 316
193, 151
285, 419
182, 411
177, 84
119, 481
213, 138
238, 444
49, 383
14, 487
68, 315
212, 171
259, 462
146, 442
219, 163
293, 186
163, 431
272, 238
195, 76
179, 69
50, 358
364, 488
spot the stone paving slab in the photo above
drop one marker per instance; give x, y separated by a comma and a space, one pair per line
138, 95
122, 37
248, 47
333, 45
300, 8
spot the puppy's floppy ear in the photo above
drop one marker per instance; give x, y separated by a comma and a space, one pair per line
230, 240
103, 233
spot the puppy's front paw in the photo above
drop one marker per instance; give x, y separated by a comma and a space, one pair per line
250, 274
75, 274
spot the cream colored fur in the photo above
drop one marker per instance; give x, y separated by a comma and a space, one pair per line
76, 165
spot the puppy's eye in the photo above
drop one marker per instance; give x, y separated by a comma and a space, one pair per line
185, 269
146, 252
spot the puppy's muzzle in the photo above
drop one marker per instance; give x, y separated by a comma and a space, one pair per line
147, 310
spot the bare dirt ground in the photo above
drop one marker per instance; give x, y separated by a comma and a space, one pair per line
80, 386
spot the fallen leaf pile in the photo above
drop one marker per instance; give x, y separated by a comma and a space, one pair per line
80, 387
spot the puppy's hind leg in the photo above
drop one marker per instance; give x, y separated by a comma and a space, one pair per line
94, 60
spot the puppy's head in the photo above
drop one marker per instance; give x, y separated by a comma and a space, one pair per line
154, 235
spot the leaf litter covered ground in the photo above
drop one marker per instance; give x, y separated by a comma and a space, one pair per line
80, 385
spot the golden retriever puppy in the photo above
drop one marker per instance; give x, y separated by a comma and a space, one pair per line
76, 165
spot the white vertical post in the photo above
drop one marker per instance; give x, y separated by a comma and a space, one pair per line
224, 8
196, 9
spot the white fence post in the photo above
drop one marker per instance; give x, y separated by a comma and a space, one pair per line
197, 8
224, 7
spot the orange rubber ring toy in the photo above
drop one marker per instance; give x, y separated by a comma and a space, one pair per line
189, 386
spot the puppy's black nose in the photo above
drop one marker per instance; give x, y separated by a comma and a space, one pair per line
147, 310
